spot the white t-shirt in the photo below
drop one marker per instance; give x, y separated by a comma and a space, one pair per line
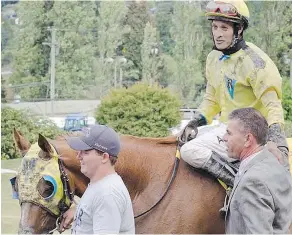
105, 208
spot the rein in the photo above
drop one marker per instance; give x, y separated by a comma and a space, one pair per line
65, 180
67, 192
174, 171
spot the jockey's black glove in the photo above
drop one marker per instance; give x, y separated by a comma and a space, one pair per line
190, 131
279, 142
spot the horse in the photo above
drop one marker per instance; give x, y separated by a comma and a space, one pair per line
190, 204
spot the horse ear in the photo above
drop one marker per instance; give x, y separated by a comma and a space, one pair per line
21, 142
45, 146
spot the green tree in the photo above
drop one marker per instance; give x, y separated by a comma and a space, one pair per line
30, 57
163, 17
111, 30
151, 60
287, 99
140, 110
3, 91
136, 20
7, 35
187, 31
285, 51
270, 29
4, 3
75, 23
8, 17
28, 124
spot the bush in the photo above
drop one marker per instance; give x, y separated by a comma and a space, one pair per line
288, 129
29, 126
140, 110
287, 100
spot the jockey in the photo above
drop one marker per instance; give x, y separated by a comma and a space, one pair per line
239, 75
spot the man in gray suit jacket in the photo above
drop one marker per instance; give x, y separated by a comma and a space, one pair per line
261, 199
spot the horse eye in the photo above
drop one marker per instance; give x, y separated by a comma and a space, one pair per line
46, 188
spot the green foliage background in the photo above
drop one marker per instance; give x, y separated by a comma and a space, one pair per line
92, 37
287, 105
27, 124
140, 110
287, 99
288, 129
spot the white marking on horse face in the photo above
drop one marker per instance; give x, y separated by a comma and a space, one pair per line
24, 226
25, 230
35, 220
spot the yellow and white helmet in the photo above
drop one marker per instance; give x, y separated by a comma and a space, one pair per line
228, 10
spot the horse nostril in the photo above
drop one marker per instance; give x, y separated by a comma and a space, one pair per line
25, 231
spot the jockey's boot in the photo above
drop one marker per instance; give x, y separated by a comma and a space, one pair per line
221, 169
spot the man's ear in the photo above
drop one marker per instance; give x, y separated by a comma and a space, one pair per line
105, 157
249, 139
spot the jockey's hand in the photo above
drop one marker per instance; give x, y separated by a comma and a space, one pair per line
67, 219
190, 131
272, 147
277, 144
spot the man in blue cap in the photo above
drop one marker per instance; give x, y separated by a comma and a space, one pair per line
105, 207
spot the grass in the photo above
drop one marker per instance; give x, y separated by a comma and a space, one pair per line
10, 209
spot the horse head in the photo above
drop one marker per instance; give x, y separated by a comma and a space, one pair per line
45, 183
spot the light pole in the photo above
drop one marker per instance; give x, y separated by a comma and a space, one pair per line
122, 61
154, 53
53, 45
119, 60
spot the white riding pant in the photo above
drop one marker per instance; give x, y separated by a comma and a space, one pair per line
199, 150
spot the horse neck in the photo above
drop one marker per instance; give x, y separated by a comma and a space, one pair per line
78, 182
141, 160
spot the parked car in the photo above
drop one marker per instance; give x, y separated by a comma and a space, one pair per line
75, 122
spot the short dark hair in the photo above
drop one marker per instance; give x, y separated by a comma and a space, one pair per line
253, 122
113, 159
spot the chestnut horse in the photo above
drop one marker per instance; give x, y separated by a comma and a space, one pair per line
191, 204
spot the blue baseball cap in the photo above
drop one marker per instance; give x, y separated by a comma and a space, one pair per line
99, 137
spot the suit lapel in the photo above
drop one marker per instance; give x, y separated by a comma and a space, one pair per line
236, 182
261, 156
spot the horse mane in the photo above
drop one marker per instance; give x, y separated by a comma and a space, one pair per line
161, 140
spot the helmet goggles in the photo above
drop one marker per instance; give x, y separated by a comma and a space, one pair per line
223, 8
